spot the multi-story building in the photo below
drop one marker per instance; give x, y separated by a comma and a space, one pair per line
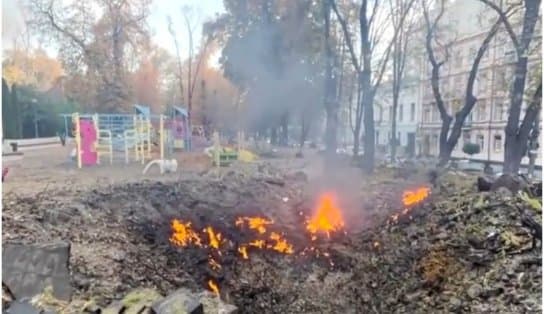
485, 125
407, 119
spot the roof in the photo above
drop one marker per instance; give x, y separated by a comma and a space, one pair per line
181, 111
143, 110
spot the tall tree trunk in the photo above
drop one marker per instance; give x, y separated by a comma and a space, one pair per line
17, 112
284, 140
369, 139
533, 146
512, 155
358, 120
330, 87
512, 144
273, 136
444, 151
394, 128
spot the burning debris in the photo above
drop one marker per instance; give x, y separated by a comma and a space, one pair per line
410, 198
255, 234
260, 234
327, 218
256, 251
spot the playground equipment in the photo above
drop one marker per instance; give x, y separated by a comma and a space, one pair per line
102, 135
164, 165
224, 156
179, 127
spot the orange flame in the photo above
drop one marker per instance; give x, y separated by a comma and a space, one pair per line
416, 196
243, 251
327, 218
183, 234
213, 286
254, 223
257, 243
281, 245
215, 238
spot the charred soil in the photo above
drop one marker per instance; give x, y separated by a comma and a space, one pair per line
451, 252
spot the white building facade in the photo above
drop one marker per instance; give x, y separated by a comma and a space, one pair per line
407, 120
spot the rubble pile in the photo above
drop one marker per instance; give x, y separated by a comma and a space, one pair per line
456, 250
464, 251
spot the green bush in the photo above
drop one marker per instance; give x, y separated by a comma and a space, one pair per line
471, 148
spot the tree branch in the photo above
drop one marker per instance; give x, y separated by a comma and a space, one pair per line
504, 19
347, 35
531, 115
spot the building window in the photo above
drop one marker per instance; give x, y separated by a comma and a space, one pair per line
390, 109
435, 116
480, 141
472, 53
458, 84
498, 113
481, 112
412, 112
377, 137
469, 117
400, 113
427, 114
497, 143
434, 143
466, 137
398, 138
482, 82
381, 114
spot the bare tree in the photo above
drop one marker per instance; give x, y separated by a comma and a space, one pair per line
178, 56
517, 134
95, 47
330, 97
535, 107
369, 74
192, 60
448, 142
400, 52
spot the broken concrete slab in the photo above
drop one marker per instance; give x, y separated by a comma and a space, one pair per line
180, 301
29, 269
139, 300
114, 308
213, 304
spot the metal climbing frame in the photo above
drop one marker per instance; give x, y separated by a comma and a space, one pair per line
132, 134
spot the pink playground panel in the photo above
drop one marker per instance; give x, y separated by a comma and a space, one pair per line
88, 139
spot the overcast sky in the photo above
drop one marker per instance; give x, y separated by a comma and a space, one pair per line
13, 21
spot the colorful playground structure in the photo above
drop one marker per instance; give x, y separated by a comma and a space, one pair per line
99, 136
144, 138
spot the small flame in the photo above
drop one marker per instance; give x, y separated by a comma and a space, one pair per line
410, 198
281, 245
254, 223
183, 234
243, 251
413, 197
257, 243
327, 218
213, 286
215, 238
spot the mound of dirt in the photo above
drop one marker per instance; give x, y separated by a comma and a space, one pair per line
458, 251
